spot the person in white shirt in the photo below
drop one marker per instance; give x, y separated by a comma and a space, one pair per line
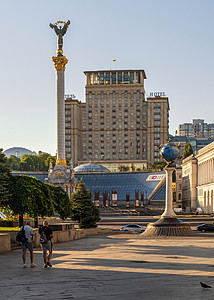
28, 244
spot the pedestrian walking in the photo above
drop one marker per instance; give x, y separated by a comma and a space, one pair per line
28, 244
46, 235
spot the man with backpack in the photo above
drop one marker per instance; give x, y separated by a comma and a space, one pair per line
27, 243
46, 235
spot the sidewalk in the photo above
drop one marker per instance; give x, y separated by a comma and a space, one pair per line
114, 267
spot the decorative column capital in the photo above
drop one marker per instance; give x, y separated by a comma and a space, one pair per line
59, 62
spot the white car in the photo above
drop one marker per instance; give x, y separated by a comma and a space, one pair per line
2, 216
133, 227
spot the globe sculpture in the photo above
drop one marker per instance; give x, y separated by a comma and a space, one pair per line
168, 224
169, 152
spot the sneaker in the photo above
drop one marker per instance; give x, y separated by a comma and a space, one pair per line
24, 266
49, 264
45, 265
33, 265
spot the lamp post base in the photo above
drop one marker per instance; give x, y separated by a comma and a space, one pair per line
168, 226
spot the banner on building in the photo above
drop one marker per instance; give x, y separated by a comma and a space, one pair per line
155, 177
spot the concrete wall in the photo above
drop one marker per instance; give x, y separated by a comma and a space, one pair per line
8, 238
5, 244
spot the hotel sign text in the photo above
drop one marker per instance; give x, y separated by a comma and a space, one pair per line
157, 94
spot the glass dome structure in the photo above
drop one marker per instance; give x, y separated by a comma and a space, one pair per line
90, 168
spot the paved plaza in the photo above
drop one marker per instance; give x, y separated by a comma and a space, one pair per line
122, 266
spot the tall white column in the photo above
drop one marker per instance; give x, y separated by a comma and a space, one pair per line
60, 63
60, 115
169, 212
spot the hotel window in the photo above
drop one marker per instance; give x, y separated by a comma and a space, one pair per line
114, 95
101, 95
157, 105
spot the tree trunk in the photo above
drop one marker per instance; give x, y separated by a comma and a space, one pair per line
20, 220
36, 222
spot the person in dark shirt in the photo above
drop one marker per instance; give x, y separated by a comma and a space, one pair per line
47, 247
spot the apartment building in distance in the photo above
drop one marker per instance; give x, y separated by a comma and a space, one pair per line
117, 125
197, 128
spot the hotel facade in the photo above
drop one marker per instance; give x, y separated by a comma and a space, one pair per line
117, 126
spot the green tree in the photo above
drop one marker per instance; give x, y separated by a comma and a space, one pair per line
45, 159
187, 150
61, 202
13, 163
84, 210
29, 162
5, 176
31, 196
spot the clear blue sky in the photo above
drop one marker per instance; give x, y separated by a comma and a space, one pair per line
172, 41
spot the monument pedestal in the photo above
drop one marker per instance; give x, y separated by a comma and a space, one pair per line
168, 224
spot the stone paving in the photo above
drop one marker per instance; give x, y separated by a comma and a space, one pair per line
116, 267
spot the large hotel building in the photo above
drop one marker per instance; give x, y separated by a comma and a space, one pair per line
116, 126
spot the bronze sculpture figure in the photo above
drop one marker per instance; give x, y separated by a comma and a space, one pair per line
60, 32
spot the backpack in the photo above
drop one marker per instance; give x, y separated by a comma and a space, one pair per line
43, 238
20, 237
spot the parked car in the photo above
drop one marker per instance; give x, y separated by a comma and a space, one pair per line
206, 227
131, 227
2, 216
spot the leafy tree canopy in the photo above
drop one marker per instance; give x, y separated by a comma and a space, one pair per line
61, 202
31, 162
4, 180
84, 210
187, 150
31, 196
